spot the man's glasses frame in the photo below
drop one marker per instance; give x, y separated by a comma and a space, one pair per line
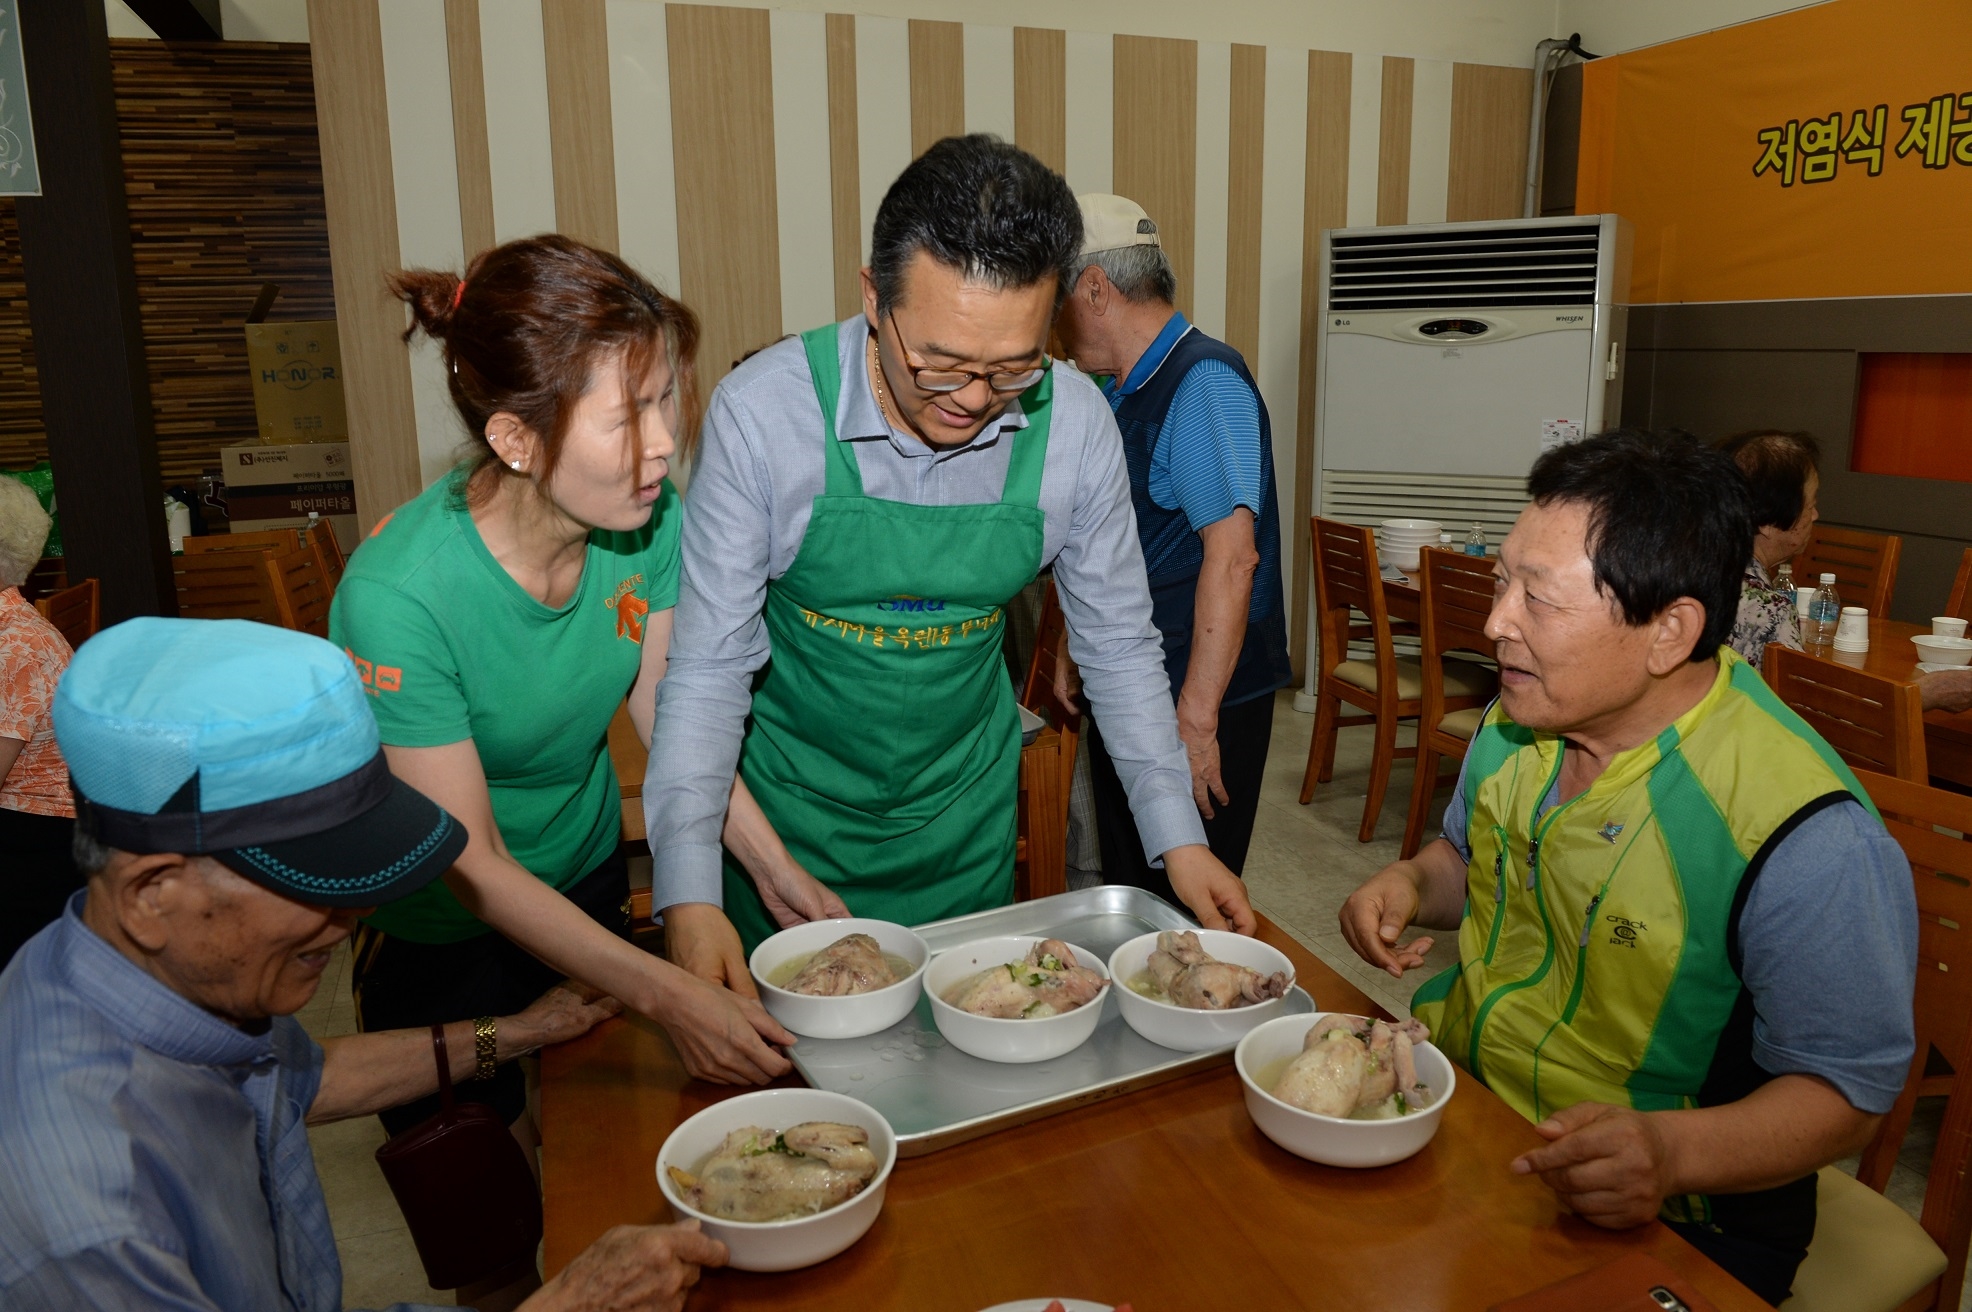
947, 381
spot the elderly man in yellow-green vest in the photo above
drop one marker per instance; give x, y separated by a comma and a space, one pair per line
1687, 945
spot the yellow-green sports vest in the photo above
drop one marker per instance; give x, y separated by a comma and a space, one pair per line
1598, 956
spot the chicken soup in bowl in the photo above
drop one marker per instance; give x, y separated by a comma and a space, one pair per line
785, 1178
1195, 990
840, 979
1345, 1090
1017, 998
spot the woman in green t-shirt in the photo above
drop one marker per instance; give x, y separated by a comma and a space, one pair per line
499, 620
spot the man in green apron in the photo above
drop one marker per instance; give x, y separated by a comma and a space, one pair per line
867, 499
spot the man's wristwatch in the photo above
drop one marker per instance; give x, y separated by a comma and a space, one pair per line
485, 1043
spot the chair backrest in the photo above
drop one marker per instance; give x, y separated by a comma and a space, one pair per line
75, 612
272, 539
1050, 650
1872, 722
1941, 865
1456, 598
1960, 601
1864, 565
321, 539
227, 585
1347, 576
304, 594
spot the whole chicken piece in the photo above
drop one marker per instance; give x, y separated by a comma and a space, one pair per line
758, 1175
1191, 977
1349, 1065
852, 964
1047, 983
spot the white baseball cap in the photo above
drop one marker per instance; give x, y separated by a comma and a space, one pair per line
1113, 222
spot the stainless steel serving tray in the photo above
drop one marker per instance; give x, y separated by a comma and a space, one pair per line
935, 1096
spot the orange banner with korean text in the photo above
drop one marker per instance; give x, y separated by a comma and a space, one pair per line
1822, 152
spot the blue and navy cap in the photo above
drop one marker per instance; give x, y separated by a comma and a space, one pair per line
253, 745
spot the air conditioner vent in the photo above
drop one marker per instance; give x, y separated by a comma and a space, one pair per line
1390, 269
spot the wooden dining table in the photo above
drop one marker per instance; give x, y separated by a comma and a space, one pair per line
1947, 736
1167, 1198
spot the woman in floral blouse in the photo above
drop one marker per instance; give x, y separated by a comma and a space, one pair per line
1780, 471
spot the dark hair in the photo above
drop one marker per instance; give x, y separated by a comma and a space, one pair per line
1776, 466
982, 206
1667, 518
525, 326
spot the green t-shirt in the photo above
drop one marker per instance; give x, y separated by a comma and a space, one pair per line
451, 648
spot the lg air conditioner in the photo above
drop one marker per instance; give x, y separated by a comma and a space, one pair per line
1452, 354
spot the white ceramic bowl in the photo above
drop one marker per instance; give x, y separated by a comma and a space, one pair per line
846, 1017
1943, 651
1401, 557
802, 1240
1415, 529
1187, 1030
1007, 1040
1335, 1140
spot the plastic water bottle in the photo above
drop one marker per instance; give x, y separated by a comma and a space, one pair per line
1475, 543
1783, 582
1824, 613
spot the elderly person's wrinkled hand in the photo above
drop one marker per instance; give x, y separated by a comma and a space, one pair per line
1946, 690
567, 1011
1610, 1165
633, 1268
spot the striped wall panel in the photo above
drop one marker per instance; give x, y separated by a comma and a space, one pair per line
739, 155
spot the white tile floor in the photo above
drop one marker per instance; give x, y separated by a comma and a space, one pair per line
1304, 862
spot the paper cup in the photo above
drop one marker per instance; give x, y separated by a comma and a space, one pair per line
1945, 626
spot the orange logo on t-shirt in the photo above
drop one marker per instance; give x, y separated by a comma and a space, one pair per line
630, 609
376, 678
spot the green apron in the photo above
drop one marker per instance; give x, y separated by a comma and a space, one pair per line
884, 744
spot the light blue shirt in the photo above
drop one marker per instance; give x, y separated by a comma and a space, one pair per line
756, 477
152, 1156
1828, 949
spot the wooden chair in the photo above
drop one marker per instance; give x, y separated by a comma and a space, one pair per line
76, 612
49, 576
1047, 765
227, 585
321, 539
1959, 603
1864, 565
1872, 722
302, 592
1390, 689
1867, 1253
1457, 592
272, 539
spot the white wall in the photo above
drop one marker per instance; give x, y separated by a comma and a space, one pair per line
1609, 27
239, 20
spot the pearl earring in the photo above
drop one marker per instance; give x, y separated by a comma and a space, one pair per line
515, 464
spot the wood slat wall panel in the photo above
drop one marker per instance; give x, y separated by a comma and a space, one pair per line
845, 164
1040, 94
1156, 141
23, 440
722, 129
1393, 155
575, 34
937, 83
1246, 139
1489, 142
1325, 204
467, 71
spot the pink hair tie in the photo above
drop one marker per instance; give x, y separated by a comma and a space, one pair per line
458, 293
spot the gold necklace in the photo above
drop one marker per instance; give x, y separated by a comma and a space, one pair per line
876, 381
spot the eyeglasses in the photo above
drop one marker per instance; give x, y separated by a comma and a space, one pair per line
951, 380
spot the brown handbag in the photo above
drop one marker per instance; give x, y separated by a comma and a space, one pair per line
464, 1187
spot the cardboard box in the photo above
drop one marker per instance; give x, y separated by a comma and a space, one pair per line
297, 381
275, 486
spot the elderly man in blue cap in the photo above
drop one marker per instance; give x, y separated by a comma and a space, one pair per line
234, 818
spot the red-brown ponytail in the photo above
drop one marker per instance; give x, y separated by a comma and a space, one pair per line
524, 328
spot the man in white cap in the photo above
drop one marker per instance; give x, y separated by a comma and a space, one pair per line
1199, 450
235, 817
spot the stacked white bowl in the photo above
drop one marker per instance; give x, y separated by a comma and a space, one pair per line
1398, 541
